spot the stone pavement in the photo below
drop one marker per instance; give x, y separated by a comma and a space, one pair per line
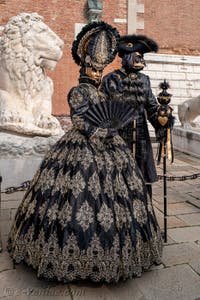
178, 277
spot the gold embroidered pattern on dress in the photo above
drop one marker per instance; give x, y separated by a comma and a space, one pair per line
70, 263
85, 215
52, 213
123, 217
120, 186
139, 211
93, 185
77, 184
105, 217
65, 214
31, 209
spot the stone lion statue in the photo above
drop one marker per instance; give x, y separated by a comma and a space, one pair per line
188, 113
28, 47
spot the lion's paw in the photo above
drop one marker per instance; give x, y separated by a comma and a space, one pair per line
11, 117
47, 122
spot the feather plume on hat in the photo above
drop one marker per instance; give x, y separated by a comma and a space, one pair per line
95, 45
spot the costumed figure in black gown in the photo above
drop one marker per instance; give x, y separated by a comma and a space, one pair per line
87, 214
129, 85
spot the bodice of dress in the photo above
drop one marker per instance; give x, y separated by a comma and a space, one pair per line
80, 98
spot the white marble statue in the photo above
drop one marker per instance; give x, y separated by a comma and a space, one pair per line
189, 112
28, 47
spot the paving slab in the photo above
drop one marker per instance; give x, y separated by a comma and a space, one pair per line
183, 168
172, 221
126, 291
179, 185
191, 160
173, 196
178, 208
185, 234
121, 290
13, 196
195, 201
180, 254
5, 214
196, 266
188, 189
5, 227
190, 219
159, 217
5, 261
10, 204
22, 283
182, 171
170, 241
175, 283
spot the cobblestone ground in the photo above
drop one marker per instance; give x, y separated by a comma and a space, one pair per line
178, 277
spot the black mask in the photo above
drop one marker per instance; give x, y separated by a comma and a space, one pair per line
133, 62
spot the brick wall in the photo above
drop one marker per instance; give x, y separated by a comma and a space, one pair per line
174, 25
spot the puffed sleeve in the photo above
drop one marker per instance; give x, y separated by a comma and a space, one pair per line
79, 104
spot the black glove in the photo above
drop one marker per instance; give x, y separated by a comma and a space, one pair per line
112, 132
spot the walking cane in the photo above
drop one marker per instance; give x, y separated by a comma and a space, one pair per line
165, 192
166, 120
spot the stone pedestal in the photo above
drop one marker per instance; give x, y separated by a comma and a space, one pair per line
20, 156
187, 140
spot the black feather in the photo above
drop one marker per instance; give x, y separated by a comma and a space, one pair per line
164, 85
100, 25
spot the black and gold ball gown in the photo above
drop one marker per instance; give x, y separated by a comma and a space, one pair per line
86, 215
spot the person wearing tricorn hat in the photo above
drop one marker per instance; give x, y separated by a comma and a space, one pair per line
129, 85
87, 214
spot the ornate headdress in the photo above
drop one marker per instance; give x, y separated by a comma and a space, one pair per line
95, 45
136, 43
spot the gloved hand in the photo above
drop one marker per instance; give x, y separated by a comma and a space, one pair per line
98, 137
112, 132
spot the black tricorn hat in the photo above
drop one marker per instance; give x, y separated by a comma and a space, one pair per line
95, 45
136, 43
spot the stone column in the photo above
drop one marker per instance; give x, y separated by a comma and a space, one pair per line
133, 23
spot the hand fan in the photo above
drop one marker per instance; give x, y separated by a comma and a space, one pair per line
110, 114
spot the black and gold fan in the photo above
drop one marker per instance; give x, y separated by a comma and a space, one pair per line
110, 114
